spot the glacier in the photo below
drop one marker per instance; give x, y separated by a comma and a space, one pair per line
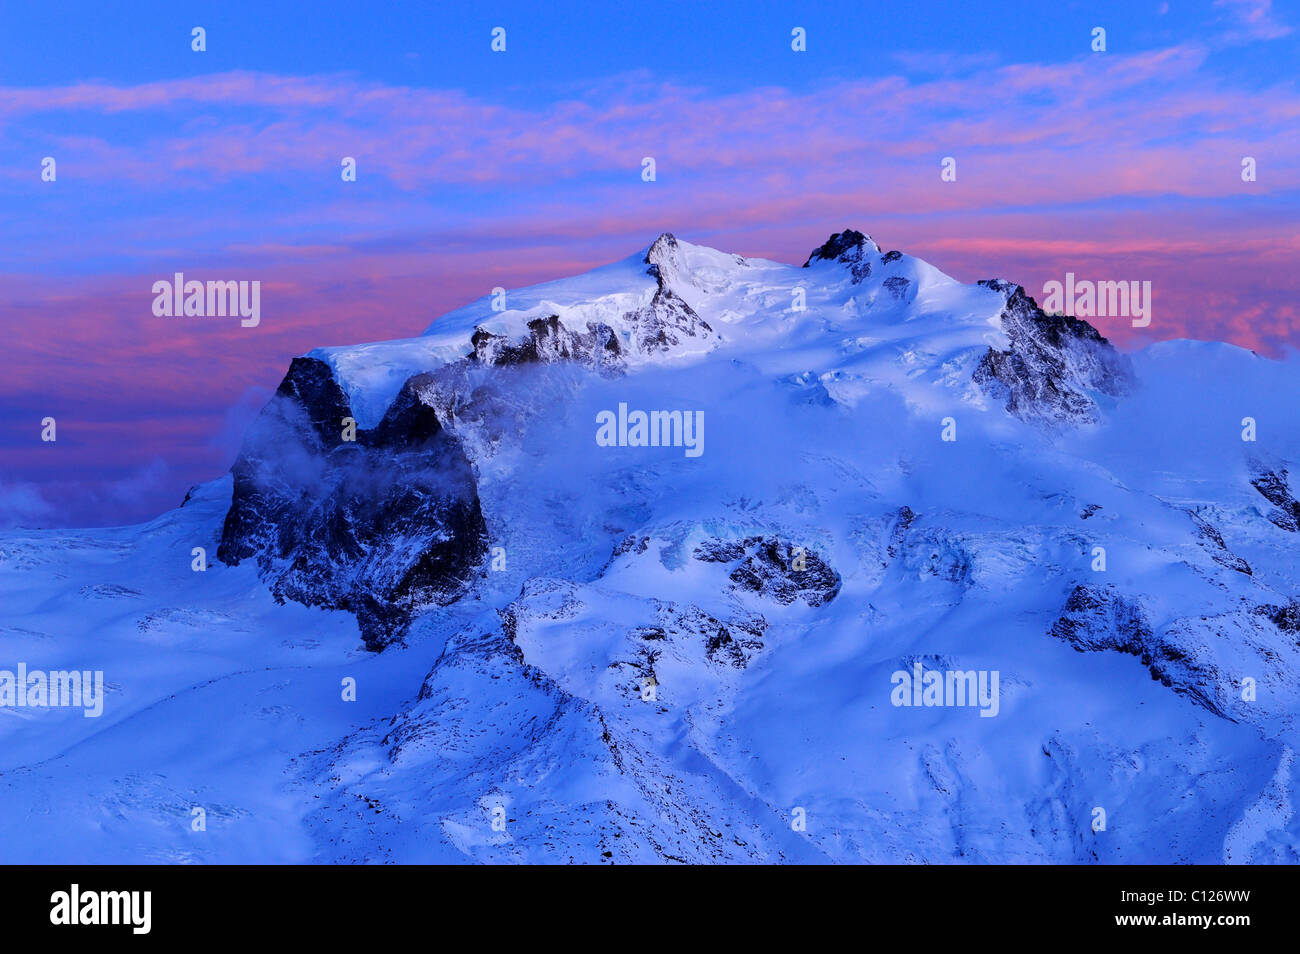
473, 633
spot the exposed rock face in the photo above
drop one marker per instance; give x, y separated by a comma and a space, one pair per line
732, 642
1212, 540
903, 521
899, 287
379, 526
774, 568
550, 341
1054, 363
715, 551
663, 323
668, 319
1099, 618
1274, 486
1285, 618
1096, 618
1202, 658
851, 248
632, 543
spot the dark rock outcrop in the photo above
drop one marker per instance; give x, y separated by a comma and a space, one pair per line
1285, 618
379, 526
774, 568
727, 642
667, 319
549, 341
1099, 618
851, 248
898, 286
1212, 540
1054, 365
902, 522
1274, 486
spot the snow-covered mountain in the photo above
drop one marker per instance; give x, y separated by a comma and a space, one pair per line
644, 563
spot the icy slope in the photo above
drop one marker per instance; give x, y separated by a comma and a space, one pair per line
642, 655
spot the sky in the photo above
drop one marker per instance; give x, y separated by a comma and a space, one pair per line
478, 168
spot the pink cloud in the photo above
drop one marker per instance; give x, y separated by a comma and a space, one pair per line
1252, 20
1114, 110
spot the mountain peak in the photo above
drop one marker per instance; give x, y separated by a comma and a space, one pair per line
661, 249
847, 246
850, 247
1002, 286
677, 264
665, 259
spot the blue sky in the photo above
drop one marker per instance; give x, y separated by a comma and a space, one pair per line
563, 44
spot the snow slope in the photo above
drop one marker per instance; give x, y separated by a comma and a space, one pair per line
633, 664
